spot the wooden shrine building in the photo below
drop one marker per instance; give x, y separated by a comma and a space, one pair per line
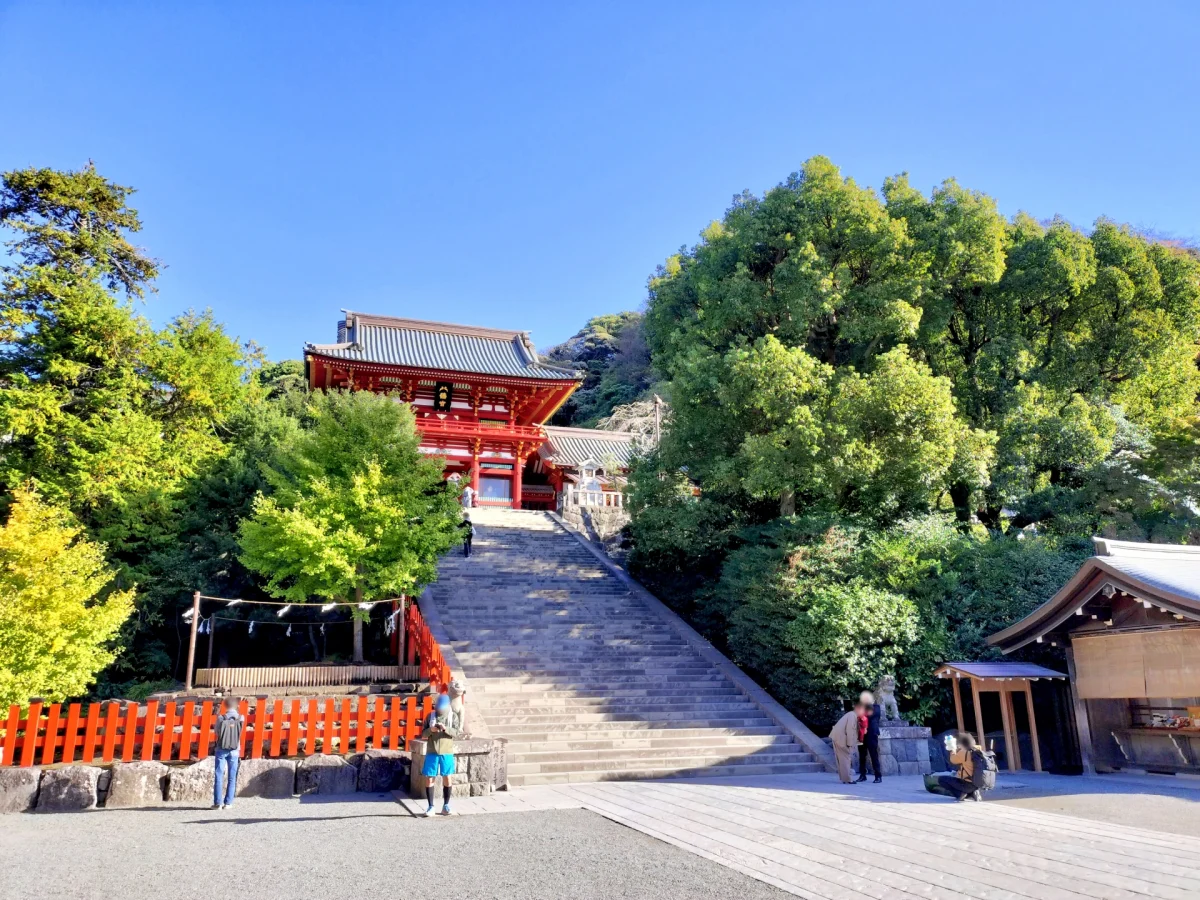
481, 397
1129, 622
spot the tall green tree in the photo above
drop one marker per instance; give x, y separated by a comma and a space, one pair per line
356, 510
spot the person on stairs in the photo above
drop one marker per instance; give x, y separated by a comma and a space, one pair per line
468, 528
869, 736
845, 740
441, 728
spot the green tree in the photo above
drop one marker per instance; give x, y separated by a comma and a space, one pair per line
58, 617
357, 511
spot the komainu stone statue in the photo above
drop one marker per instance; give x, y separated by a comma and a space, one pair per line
885, 696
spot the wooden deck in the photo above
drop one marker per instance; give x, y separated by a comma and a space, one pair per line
816, 838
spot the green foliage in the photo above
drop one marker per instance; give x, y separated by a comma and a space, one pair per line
612, 353
356, 510
58, 616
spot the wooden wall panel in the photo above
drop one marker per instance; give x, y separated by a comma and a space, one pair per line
1109, 666
1172, 662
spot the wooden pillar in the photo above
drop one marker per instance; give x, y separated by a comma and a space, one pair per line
475, 475
518, 476
1012, 748
187, 682
1082, 728
978, 713
956, 687
1033, 735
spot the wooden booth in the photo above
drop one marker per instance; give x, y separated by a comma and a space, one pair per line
1129, 622
1008, 679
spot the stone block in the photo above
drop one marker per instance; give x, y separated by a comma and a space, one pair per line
192, 784
910, 768
480, 790
380, 771
481, 768
889, 764
923, 751
326, 775
68, 789
500, 765
18, 789
274, 778
137, 784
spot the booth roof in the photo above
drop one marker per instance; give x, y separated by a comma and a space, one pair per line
999, 670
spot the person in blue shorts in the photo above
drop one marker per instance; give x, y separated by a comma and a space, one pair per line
441, 728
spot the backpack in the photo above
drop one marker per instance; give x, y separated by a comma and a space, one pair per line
984, 774
229, 733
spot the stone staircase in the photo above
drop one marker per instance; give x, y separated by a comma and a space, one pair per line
584, 680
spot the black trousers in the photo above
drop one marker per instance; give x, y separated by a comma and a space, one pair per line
864, 748
467, 546
959, 787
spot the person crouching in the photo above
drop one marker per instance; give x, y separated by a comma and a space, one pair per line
441, 728
845, 742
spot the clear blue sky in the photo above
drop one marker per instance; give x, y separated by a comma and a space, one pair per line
528, 166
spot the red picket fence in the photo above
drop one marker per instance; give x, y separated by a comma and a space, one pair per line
103, 732
422, 645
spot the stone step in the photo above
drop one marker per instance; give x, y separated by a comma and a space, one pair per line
705, 739
583, 774
501, 700
665, 761
659, 720
623, 708
629, 731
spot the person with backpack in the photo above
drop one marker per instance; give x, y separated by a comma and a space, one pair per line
229, 727
976, 768
468, 528
441, 728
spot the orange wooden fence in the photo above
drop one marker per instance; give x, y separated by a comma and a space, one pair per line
422, 645
103, 732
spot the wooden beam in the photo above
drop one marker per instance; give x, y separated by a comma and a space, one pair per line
956, 687
187, 682
1012, 743
1033, 735
978, 713
1082, 728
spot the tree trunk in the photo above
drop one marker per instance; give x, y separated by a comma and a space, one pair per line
312, 642
960, 494
358, 627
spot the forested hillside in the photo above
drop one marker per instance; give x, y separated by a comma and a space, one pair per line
907, 414
612, 351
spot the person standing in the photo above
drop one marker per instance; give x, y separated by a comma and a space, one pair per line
870, 738
468, 497
469, 528
441, 728
845, 740
229, 728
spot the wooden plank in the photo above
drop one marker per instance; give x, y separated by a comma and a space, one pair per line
167, 747
956, 688
90, 735
129, 737
70, 734
261, 714
344, 726
51, 734
187, 730
1012, 744
360, 728
329, 729
395, 734
979, 735
149, 729
277, 717
32, 722
1110, 666
244, 710
380, 730
112, 715
1033, 733
293, 731
1083, 728
312, 727
205, 737
9, 749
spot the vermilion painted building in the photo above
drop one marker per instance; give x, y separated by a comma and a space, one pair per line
481, 397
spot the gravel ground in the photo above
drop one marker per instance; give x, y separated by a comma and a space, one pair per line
353, 849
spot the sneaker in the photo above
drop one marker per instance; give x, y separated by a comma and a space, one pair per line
961, 797
446, 810
428, 813
215, 806
977, 797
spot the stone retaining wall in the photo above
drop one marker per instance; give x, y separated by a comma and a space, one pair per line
903, 750
125, 785
481, 767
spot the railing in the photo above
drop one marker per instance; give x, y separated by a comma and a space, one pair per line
421, 645
473, 427
104, 732
302, 676
577, 497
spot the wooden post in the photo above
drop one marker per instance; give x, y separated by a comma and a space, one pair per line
1012, 748
1033, 735
518, 475
956, 687
1082, 727
187, 682
212, 633
978, 713
402, 628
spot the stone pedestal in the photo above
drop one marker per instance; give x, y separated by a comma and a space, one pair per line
480, 767
903, 749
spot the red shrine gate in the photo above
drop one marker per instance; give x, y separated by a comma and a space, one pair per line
480, 395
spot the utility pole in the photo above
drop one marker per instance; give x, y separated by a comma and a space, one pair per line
187, 682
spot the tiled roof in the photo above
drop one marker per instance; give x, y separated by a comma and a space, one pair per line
1000, 670
439, 345
575, 446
